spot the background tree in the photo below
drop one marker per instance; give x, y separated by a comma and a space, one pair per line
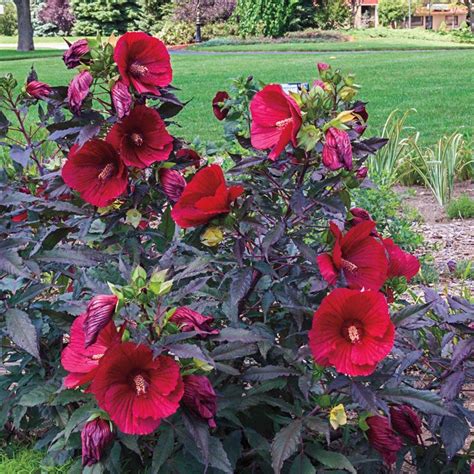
8, 20
331, 14
57, 13
392, 12
470, 15
25, 28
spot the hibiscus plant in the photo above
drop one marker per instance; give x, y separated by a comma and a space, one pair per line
164, 311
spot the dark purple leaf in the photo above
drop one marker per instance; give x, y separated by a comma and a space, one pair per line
21, 331
20, 155
454, 432
259, 374
451, 385
462, 351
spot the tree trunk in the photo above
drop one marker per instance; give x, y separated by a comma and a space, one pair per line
25, 29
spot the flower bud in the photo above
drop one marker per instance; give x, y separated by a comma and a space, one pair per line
121, 98
319, 83
95, 436
220, 111
337, 150
323, 67
73, 55
212, 236
337, 416
200, 398
405, 421
359, 215
190, 320
172, 182
22, 216
361, 173
38, 90
383, 439
452, 265
188, 156
78, 90
99, 312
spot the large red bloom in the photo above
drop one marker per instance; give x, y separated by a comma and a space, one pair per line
141, 137
80, 361
135, 389
360, 257
205, 197
96, 171
351, 331
144, 62
400, 263
276, 119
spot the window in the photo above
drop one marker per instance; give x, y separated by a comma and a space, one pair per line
452, 20
416, 21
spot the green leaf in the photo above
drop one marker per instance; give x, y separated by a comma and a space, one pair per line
37, 396
22, 332
285, 443
77, 417
330, 459
163, 449
218, 457
302, 465
133, 217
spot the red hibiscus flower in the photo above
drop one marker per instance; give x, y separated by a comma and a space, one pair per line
121, 98
99, 312
276, 119
383, 439
351, 331
205, 197
78, 90
360, 257
95, 437
189, 320
172, 182
137, 390
80, 361
141, 138
144, 62
96, 172
400, 263
38, 90
337, 150
406, 422
217, 105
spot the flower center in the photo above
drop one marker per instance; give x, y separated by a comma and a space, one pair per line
107, 172
137, 139
349, 266
137, 69
141, 385
284, 123
97, 356
353, 331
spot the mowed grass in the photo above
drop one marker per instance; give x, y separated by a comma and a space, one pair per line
439, 85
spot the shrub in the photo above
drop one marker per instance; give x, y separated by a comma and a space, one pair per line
8, 21
211, 11
332, 14
224, 317
461, 208
173, 32
392, 12
59, 14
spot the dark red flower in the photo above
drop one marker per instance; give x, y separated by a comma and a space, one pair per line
78, 90
189, 320
337, 150
360, 257
121, 98
99, 313
141, 138
80, 361
144, 62
73, 55
220, 111
361, 173
95, 436
323, 67
172, 182
351, 331
359, 215
276, 120
188, 156
200, 398
136, 389
38, 90
96, 171
20, 217
405, 421
205, 197
383, 439
400, 263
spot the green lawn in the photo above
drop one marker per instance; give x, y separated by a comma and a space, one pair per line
38, 40
438, 84
10, 54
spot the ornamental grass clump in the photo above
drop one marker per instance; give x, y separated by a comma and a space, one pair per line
162, 312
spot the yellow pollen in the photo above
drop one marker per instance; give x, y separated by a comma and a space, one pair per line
107, 172
137, 139
140, 384
353, 334
97, 356
284, 123
138, 69
349, 266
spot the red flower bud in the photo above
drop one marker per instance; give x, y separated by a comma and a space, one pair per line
121, 98
323, 67
383, 439
361, 173
38, 90
319, 83
190, 320
200, 398
73, 55
95, 436
187, 155
22, 216
359, 215
406, 422
99, 312
172, 182
78, 90
337, 151
219, 110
